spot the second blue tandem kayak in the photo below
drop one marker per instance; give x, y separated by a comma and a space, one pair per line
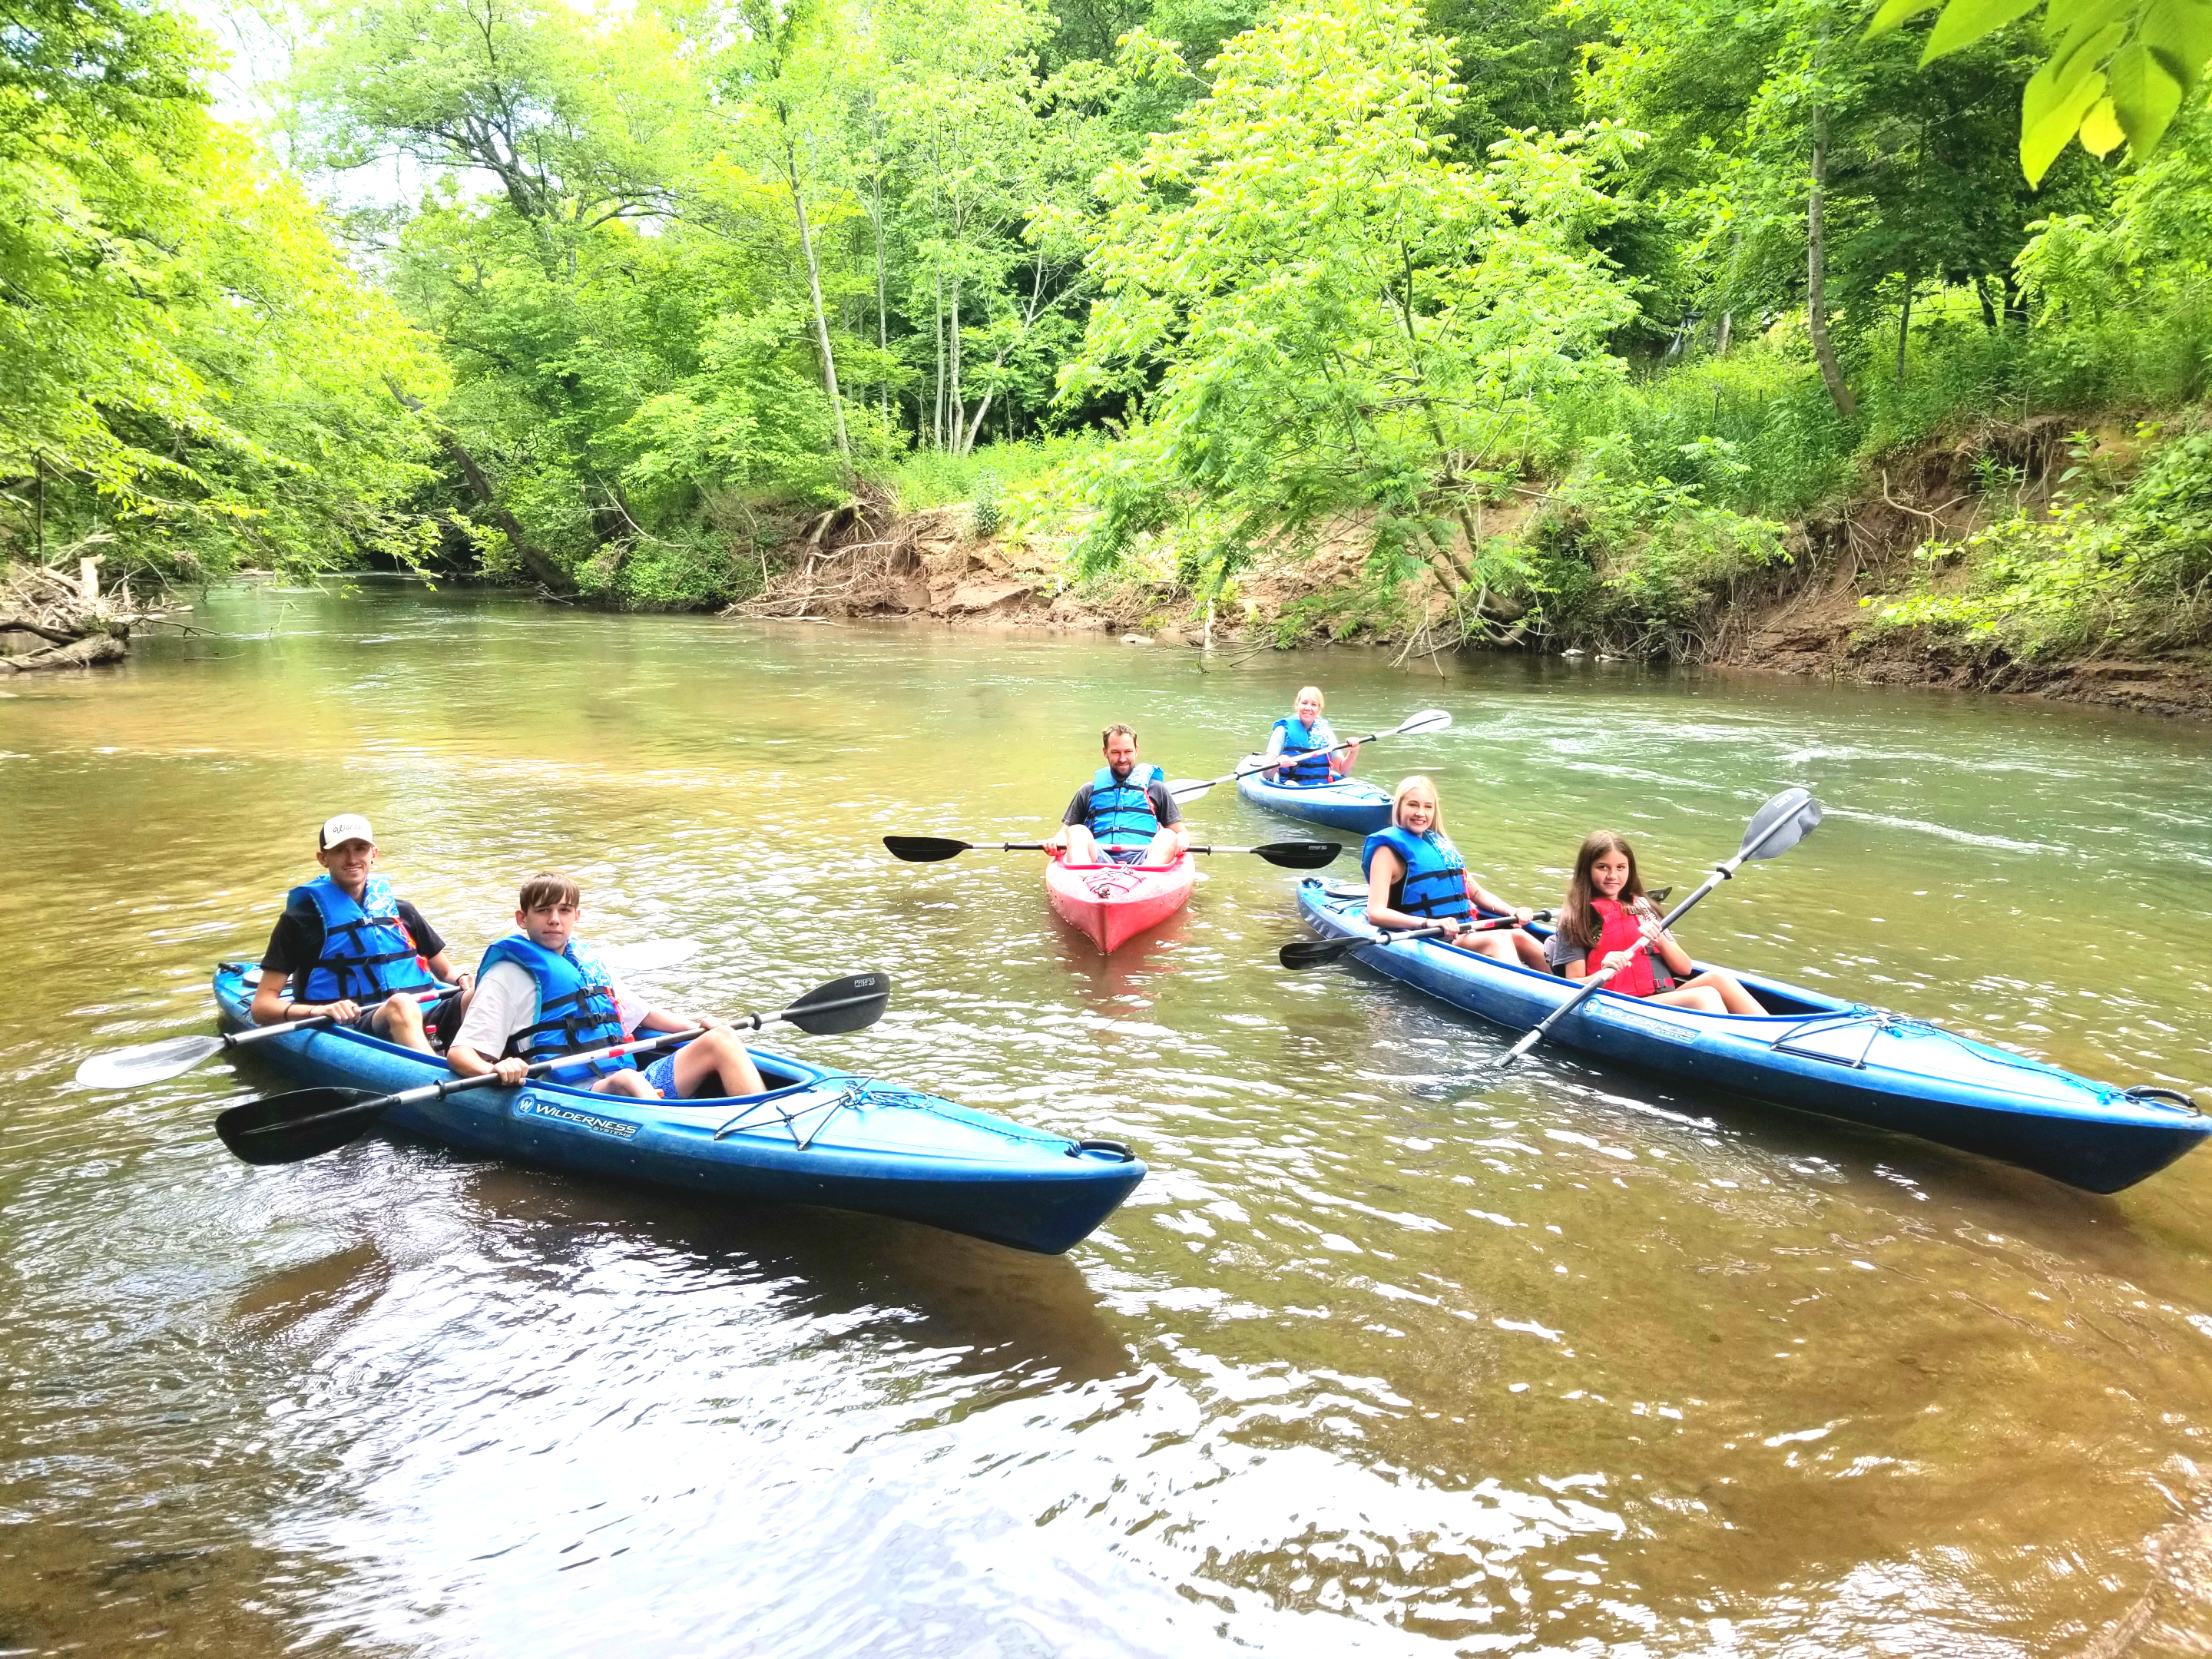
1814, 1054
1347, 804
816, 1137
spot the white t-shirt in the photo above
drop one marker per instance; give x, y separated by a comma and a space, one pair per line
506, 1001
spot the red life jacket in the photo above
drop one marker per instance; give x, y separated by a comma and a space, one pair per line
1623, 930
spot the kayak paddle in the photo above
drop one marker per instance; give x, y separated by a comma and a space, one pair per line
1773, 830
307, 1122
1319, 952
932, 850
1413, 726
157, 1062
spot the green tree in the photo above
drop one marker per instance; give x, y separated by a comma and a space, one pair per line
186, 364
1797, 164
1314, 312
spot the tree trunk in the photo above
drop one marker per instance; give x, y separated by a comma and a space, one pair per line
937, 407
547, 573
1816, 275
821, 319
1727, 327
1904, 327
882, 328
957, 405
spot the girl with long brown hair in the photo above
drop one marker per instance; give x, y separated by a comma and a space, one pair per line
1607, 922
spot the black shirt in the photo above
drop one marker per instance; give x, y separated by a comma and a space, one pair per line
295, 945
1163, 805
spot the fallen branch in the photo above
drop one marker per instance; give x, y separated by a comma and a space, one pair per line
78, 653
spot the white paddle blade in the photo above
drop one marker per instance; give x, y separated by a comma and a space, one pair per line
1184, 788
1780, 825
152, 1062
1429, 719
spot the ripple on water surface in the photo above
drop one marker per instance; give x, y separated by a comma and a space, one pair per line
1383, 1358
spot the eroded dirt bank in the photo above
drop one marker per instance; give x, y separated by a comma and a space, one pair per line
1813, 616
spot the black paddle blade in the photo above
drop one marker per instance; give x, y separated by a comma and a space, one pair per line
305, 1123
1300, 854
1318, 952
1780, 824
851, 1003
925, 849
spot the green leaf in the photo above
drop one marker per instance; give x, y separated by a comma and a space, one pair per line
2101, 28
2043, 135
2064, 14
2144, 96
1895, 14
2057, 82
2180, 34
2101, 132
1965, 22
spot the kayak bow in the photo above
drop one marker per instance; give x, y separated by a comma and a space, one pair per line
1112, 903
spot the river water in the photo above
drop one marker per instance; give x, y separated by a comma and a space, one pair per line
1377, 1361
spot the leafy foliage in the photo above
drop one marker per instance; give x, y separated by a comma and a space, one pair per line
2117, 73
186, 365
1319, 313
2091, 574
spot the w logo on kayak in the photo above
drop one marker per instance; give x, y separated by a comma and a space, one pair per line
560, 1112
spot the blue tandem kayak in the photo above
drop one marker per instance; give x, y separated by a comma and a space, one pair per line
816, 1137
1814, 1054
1347, 804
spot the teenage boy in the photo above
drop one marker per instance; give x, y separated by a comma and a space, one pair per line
349, 948
542, 992
1124, 814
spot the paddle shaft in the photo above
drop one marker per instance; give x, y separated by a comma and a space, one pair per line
1724, 870
314, 1023
1280, 761
430, 1091
1273, 848
1399, 730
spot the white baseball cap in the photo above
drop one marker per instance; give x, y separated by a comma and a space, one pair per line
347, 826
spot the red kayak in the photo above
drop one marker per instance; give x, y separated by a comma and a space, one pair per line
1115, 903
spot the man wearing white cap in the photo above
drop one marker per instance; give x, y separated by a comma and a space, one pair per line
349, 949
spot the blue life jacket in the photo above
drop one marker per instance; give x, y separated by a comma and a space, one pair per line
1121, 814
1435, 882
367, 954
576, 1008
1314, 769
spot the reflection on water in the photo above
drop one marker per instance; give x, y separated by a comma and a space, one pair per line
1386, 1358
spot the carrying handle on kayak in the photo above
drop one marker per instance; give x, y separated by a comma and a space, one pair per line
1077, 1149
2151, 1094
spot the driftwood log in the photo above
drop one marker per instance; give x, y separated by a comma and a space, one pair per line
50, 619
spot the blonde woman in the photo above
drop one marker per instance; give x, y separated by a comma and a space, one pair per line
1416, 879
1303, 729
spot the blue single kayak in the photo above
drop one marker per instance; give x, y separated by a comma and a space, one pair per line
816, 1137
1814, 1054
1347, 804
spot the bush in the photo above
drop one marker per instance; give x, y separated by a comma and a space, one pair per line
2077, 580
